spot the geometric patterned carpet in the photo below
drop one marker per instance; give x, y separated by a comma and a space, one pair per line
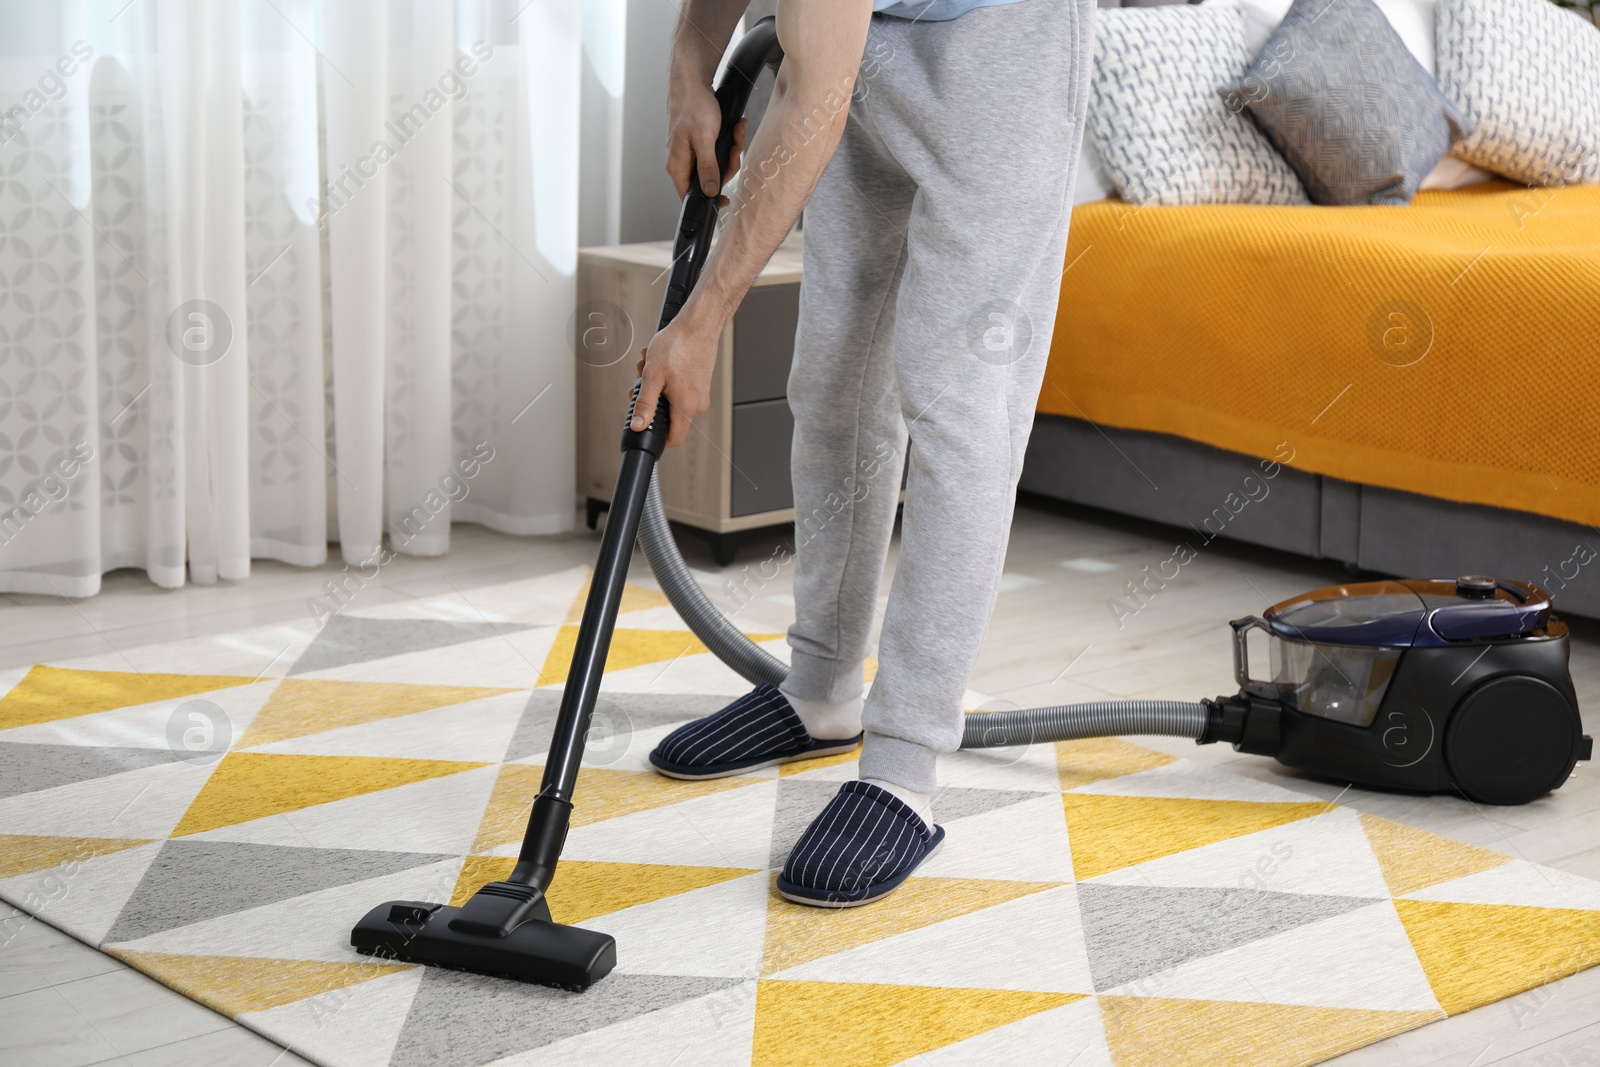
1095, 903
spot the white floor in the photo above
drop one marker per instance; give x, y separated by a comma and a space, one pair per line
1054, 639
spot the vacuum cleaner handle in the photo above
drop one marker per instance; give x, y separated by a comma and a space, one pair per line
552, 809
697, 221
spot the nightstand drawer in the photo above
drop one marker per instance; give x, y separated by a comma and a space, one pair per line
763, 343
761, 435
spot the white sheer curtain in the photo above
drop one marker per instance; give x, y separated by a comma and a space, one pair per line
275, 273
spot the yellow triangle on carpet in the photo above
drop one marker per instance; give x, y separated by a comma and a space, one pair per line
849, 1024
478, 871
634, 598
505, 817
1097, 758
629, 648
234, 985
602, 793
585, 888
1413, 859
798, 934
301, 706
1212, 1033
26, 853
1108, 833
801, 766
46, 694
1474, 954
253, 785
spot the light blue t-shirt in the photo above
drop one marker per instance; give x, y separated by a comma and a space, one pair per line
931, 10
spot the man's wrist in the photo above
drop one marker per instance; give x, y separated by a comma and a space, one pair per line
700, 321
693, 65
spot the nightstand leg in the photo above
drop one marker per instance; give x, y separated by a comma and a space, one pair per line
592, 509
724, 547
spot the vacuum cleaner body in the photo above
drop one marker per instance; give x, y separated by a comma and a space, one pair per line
1419, 686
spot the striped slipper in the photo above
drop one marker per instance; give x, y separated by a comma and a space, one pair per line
758, 730
859, 849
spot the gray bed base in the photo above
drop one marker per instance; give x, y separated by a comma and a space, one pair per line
1214, 493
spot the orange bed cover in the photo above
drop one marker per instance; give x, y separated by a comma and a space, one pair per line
1450, 348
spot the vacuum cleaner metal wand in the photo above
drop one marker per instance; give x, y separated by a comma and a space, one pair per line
505, 928
547, 828
547, 825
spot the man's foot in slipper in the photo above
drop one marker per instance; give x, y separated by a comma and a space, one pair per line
858, 849
758, 730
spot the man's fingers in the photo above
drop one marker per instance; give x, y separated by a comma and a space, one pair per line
678, 432
736, 155
680, 164
644, 409
705, 158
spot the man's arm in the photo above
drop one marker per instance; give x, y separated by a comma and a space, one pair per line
822, 44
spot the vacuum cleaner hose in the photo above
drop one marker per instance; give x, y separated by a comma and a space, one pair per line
1070, 722
997, 729
712, 627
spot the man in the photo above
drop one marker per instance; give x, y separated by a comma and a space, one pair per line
936, 178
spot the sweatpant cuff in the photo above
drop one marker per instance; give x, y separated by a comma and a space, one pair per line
905, 763
828, 680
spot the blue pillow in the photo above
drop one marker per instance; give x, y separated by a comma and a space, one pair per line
1356, 116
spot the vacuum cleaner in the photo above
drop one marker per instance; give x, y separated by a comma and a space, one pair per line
1423, 686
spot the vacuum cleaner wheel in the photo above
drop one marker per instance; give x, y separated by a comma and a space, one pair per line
1511, 740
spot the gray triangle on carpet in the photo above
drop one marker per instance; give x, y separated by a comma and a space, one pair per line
799, 801
347, 639
614, 714
958, 802
28, 768
460, 1020
1133, 931
191, 881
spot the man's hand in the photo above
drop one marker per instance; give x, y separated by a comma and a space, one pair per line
693, 120
678, 362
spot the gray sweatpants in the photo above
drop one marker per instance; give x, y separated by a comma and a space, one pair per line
934, 248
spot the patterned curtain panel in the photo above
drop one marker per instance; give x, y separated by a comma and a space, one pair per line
275, 273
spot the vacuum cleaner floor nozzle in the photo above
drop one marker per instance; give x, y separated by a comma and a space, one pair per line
548, 953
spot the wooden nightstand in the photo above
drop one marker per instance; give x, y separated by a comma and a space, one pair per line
733, 472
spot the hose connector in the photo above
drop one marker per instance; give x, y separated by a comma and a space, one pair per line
1250, 723
1224, 721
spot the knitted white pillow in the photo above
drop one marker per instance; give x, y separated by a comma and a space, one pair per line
1162, 131
1527, 74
